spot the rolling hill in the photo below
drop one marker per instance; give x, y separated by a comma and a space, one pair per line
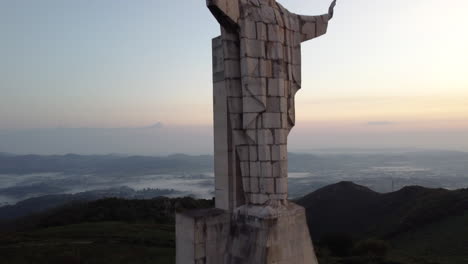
416, 221
412, 226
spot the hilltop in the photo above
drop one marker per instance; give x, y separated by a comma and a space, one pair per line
416, 221
384, 215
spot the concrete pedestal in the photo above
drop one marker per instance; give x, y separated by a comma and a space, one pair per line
201, 236
249, 235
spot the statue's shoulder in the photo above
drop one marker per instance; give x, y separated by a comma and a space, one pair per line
257, 11
250, 2
248, 5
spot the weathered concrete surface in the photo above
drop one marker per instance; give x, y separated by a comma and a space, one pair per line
256, 75
252, 234
201, 236
270, 234
227, 115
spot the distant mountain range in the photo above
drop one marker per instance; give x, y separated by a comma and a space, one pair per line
103, 164
135, 165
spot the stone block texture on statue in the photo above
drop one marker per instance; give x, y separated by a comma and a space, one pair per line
256, 75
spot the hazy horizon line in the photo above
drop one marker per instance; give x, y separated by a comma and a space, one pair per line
331, 150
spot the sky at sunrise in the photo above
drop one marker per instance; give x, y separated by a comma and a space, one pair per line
135, 76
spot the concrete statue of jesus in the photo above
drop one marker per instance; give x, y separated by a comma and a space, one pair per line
256, 74
261, 46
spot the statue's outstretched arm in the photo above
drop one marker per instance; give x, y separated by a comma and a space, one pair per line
225, 11
316, 26
331, 10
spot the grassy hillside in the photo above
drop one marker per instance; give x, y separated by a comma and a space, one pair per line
350, 224
99, 242
103, 231
445, 241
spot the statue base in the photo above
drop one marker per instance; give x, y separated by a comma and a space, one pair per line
249, 235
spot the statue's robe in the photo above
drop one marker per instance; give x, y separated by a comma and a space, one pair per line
270, 40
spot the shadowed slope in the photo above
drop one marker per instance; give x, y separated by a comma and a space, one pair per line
356, 210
